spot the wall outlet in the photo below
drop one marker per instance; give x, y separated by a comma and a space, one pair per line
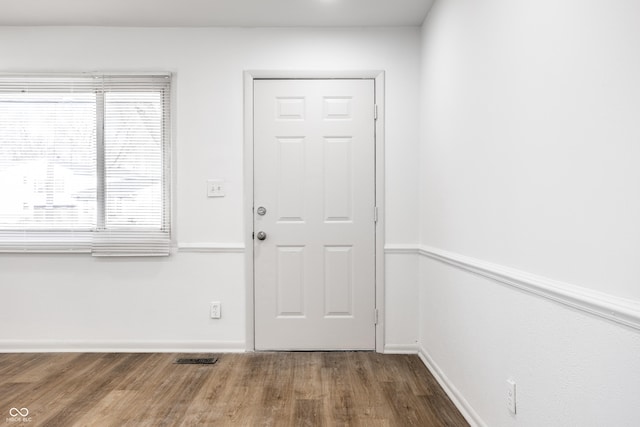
511, 395
215, 310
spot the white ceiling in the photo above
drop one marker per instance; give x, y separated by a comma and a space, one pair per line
204, 13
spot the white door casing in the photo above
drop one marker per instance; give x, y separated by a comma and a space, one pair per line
314, 174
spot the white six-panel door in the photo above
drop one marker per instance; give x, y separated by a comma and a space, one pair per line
314, 178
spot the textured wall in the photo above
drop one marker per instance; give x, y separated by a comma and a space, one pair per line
78, 298
529, 154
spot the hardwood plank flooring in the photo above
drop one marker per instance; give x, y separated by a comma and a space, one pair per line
252, 389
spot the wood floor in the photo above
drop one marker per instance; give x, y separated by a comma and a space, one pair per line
253, 389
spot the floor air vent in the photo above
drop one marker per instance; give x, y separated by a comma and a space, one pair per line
197, 361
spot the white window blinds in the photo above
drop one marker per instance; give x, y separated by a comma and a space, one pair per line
85, 164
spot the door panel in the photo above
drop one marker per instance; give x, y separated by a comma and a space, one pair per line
314, 173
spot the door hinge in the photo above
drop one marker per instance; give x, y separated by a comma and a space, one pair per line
375, 111
375, 316
375, 214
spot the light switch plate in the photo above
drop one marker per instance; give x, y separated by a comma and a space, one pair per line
215, 188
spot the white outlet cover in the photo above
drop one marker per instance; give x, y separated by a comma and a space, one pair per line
215, 308
511, 395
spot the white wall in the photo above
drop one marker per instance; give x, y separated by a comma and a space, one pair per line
530, 147
83, 301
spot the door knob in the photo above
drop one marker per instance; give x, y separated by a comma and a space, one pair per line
261, 235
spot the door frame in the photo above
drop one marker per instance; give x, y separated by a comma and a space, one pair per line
249, 77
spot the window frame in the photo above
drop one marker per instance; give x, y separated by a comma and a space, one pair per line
100, 240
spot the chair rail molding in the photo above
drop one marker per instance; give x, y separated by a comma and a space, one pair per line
211, 247
401, 248
616, 309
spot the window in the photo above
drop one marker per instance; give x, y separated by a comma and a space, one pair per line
85, 164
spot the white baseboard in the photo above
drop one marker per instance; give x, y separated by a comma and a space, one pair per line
456, 397
401, 349
122, 346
